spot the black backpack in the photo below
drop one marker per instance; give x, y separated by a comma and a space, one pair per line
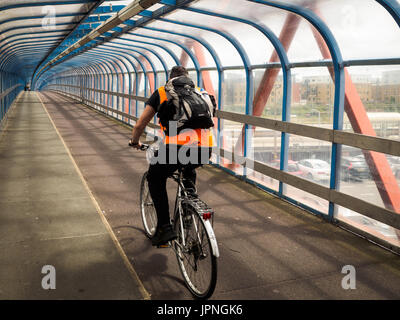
188, 107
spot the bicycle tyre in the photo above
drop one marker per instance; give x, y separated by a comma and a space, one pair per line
147, 210
190, 275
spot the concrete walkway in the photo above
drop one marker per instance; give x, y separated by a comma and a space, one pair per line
269, 248
48, 217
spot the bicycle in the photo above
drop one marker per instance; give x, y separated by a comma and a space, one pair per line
196, 247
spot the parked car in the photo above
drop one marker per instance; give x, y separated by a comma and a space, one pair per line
395, 165
293, 167
354, 168
315, 169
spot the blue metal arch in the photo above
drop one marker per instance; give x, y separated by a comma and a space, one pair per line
10, 59
106, 62
393, 7
246, 62
35, 26
165, 67
109, 81
236, 44
103, 58
338, 65
76, 65
13, 62
210, 49
170, 53
144, 70
143, 55
16, 45
38, 32
145, 78
100, 77
11, 43
50, 3
112, 67
183, 47
11, 50
287, 85
134, 67
217, 62
60, 15
91, 78
97, 81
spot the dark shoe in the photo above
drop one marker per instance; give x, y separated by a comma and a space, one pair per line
163, 235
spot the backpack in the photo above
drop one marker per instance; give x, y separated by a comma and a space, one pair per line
186, 105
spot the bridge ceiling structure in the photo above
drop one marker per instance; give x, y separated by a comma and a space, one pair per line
294, 80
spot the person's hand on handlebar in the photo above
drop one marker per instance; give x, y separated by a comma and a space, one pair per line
136, 145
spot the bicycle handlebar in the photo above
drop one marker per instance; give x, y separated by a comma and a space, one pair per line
143, 146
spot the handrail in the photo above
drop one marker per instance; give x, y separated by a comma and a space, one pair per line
7, 92
370, 210
351, 139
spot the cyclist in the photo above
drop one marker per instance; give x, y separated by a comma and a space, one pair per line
188, 149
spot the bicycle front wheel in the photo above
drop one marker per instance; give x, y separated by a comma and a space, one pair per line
195, 255
148, 212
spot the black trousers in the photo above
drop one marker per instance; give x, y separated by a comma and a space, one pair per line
159, 171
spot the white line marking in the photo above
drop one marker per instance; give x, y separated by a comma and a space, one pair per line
143, 291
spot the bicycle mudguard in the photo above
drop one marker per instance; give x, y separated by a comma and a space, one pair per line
203, 210
213, 239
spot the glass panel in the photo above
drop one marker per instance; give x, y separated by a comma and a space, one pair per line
226, 51
313, 93
21, 25
42, 10
172, 42
360, 178
302, 47
266, 147
350, 23
203, 55
313, 158
369, 225
273, 107
31, 38
307, 199
141, 37
210, 83
234, 91
139, 45
378, 88
354, 25
239, 30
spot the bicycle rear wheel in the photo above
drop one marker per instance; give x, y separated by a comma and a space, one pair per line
148, 212
195, 256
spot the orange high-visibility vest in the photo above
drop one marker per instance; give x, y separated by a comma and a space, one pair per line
199, 137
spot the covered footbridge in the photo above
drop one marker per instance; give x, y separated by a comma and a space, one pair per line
304, 177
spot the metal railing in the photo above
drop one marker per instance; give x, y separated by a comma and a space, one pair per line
364, 142
6, 100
